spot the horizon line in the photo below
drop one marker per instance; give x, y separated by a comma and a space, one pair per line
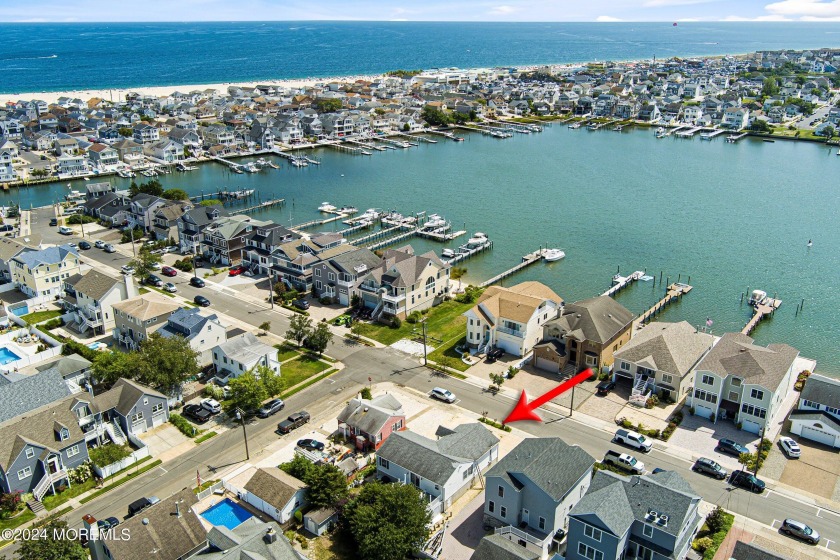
38, 21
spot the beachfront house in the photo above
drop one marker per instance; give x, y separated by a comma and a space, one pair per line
736, 118
512, 318
136, 319
42, 272
742, 382
817, 417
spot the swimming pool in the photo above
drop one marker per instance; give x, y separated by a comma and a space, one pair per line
7, 356
227, 514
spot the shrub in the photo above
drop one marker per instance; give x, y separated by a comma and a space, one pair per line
716, 519
109, 454
298, 516
183, 425
80, 219
396, 323
414, 317
494, 424
53, 324
184, 265
652, 401
9, 504
366, 393
325, 300
304, 542
214, 392
702, 544
81, 473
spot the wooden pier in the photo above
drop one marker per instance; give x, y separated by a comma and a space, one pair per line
440, 236
342, 148
390, 240
315, 223
376, 235
710, 135
735, 137
674, 292
353, 229
690, 132
442, 133
760, 311
415, 137
527, 261
621, 282
263, 205
464, 253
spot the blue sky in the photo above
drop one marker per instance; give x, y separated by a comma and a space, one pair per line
420, 10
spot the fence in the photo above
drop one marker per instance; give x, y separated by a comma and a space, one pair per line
210, 490
114, 468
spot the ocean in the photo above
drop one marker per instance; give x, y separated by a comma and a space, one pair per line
38, 57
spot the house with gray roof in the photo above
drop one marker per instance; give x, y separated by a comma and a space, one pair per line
90, 297
335, 277
243, 353
652, 516
42, 272
496, 547
74, 369
270, 490
165, 220
368, 423
223, 241
262, 242
817, 416
26, 393
660, 359
252, 539
443, 468
202, 332
142, 210
10, 248
743, 382
528, 494
192, 224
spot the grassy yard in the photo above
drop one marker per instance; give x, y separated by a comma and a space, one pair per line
286, 351
40, 316
444, 322
301, 369
18, 520
53, 501
332, 547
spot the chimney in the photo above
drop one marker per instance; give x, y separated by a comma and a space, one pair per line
130, 289
270, 536
177, 509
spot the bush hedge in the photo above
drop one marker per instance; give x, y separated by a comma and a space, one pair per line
718, 537
183, 425
109, 454
495, 424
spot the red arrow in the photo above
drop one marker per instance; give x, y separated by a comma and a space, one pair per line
524, 410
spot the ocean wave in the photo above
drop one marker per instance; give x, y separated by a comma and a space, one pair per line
29, 57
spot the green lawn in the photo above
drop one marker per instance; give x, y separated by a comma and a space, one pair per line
18, 520
286, 351
448, 350
205, 437
444, 322
301, 369
53, 501
40, 316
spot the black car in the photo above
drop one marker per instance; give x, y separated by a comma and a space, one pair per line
137, 506
84, 245
313, 444
301, 304
109, 523
53, 221
197, 413
153, 280
494, 355
7, 227
271, 407
746, 480
731, 447
604, 387
707, 466
197, 282
202, 301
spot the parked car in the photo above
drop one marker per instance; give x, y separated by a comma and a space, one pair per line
84, 245
343, 320
443, 394
746, 480
153, 280
236, 270
313, 444
155, 266
790, 447
197, 413
202, 301
271, 407
110, 248
53, 221
170, 287
658, 470
99, 244
494, 355
707, 466
624, 461
168, 271
731, 447
293, 421
107, 523
212, 405
604, 387
127, 269
633, 439
197, 282
72, 245
799, 530
139, 505
64, 230
301, 304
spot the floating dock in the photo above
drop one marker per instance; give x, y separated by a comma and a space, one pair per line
620, 282
464, 252
674, 292
527, 261
760, 311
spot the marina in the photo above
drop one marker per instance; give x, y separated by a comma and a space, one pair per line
527, 261
476, 244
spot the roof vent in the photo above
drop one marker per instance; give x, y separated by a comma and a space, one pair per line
145, 521
663, 520
652, 514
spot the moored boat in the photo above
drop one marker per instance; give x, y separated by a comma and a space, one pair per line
551, 255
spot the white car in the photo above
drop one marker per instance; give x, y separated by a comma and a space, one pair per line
212, 405
99, 244
127, 269
170, 287
155, 266
790, 447
443, 394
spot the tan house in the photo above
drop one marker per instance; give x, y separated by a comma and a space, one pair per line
586, 334
42, 272
512, 318
137, 318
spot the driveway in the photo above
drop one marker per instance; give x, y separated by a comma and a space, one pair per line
465, 531
700, 436
166, 442
817, 471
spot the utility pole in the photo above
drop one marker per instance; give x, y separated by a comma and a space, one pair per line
131, 232
195, 259
425, 357
271, 288
572, 406
240, 415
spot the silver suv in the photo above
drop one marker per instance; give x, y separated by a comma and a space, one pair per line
707, 466
800, 531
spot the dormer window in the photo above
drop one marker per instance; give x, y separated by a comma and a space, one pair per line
64, 434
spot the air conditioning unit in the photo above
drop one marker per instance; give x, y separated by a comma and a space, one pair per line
652, 514
663, 519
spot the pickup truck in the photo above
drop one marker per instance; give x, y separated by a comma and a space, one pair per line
624, 461
293, 421
632, 439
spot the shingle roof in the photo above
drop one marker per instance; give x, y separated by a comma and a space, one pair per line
203, 215
823, 390
246, 542
816, 416
123, 396
744, 551
274, 486
370, 416
350, 260
496, 547
735, 354
66, 365
146, 306
246, 349
517, 303
549, 463
159, 533
32, 392
429, 458
596, 319
95, 284
669, 347
50, 255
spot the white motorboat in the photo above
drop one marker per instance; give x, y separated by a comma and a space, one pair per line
447, 253
327, 207
477, 239
348, 210
552, 255
434, 221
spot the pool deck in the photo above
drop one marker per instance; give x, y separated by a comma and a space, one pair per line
213, 499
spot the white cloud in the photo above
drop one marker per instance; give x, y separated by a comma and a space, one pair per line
607, 19
759, 18
661, 3
816, 9
502, 10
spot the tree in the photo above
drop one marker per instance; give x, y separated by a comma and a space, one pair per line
457, 272
320, 338
327, 105
152, 187
280, 289
716, 519
435, 116
246, 393
144, 262
327, 486
828, 132
9, 503
388, 521
770, 87
126, 132
300, 327
167, 362
110, 367
365, 393
760, 125
50, 546
496, 379
299, 467
265, 327
273, 382
175, 194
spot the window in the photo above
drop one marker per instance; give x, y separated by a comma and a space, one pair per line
503, 512
136, 417
30, 452
491, 506
72, 451
317, 272
733, 396
384, 463
157, 409
811, 404
65, 434
592, 532
625, 366
591, 360
753, 410
588, 552
708, 380
542, 523
501, 491
331, 276
757, 394
25, 472
415, 480
705, 396
666, 378
736, 381
647, 530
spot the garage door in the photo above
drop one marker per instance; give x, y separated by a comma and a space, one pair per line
818, 435
547, 365
703, 411
750, 426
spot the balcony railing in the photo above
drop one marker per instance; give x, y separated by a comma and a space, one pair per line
522, 535
393, 299
520, 334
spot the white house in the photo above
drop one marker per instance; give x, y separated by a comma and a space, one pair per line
166, 151
443, 469
692, 114
70, 165
202, 332
736, 118
511, 318
269, 490
243, 353
818, 416
743, 382
7, 172
90, 299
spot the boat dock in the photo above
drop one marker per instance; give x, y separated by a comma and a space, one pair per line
390, 240
417, 137
263, 205
712, 134
674, 292
224, 161
315, 223
353, 229
442, 133
527, 261
690, 132
735, 137
395, 143
342, 148
761, 310
438, 235
377, 235
621, 282
464, 252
